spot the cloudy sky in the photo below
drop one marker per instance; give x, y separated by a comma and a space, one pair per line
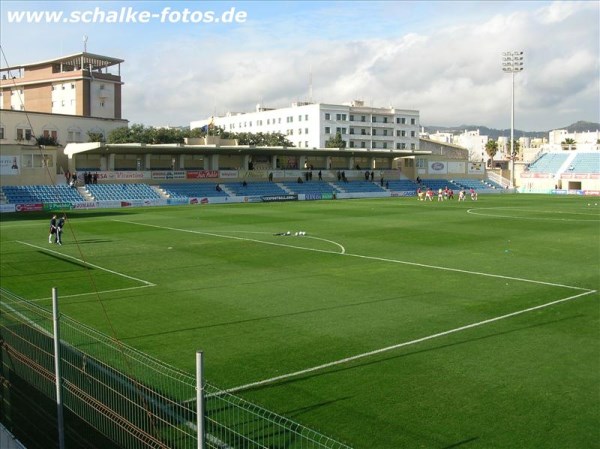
441, 58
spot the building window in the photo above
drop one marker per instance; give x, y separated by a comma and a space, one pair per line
299, 130
1, 133
72, 85
327, 130
268, 121
403, 133
413, 121
385, 120
397, 133
363, 132
412, 146
363, 118
25, 132
398, 120
299, 118
351, 130
305, 130
397, 146
306, 143
374, 132
340, 130
351, 118
374, 144
363, 145
351, 143
403, 146
306, 117
403, 121
384, 145
327, 116
102, 104
412, 134
385, 132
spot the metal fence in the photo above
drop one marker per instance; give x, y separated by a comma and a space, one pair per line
134, 400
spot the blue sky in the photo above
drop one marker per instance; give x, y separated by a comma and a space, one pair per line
441, 58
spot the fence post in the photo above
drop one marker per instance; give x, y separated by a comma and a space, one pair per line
59, 406
200, 398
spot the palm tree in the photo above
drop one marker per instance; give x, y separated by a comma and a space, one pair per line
568, 143
491, 148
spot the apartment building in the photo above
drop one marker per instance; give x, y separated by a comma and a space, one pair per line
311, 125
82, 84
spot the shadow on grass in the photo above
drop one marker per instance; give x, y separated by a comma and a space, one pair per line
460, 443
270, 317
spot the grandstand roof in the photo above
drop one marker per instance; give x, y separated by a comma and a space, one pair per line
174, 149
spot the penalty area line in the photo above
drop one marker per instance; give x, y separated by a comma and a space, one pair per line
362, 256
397, 346
146, 283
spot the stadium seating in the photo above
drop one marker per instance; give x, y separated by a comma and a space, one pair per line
436, 184
586, 163
403, 185
254, 188
118, 192
41, 194
358, 186
310, 187
199, 190
548, 163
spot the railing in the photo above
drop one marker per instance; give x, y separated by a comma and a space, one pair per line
129, 397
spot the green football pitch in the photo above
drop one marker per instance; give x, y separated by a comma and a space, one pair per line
391, 323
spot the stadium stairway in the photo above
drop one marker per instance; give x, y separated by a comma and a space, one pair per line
84, 193
564, 168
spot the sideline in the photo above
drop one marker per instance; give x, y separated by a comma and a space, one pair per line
396, 346
146, 283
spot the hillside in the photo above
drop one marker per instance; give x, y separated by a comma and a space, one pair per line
492, 133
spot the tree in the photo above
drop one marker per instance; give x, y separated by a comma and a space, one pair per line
491, 148
95, 137
46, 141
568, 143
516, 148
336, 142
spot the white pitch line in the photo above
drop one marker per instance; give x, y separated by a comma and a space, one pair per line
242, 238
399, 345
146, 283
94, 293
360, 256
518, 217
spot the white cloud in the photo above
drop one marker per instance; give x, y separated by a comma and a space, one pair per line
442, 58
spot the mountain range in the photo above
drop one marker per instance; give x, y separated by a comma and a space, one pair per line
492, 133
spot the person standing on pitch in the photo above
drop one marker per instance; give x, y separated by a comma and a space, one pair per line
52, 228
59, 229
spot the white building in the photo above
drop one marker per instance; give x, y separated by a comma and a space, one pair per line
311, 125
558, 136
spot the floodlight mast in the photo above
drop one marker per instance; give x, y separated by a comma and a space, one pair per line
512, 62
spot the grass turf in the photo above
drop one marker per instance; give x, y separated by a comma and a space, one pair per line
369, 274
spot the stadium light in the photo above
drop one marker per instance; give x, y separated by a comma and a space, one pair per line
512, 62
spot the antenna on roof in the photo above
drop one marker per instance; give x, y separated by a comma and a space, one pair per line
310, 85
85, 39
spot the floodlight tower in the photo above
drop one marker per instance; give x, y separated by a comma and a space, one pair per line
512, 62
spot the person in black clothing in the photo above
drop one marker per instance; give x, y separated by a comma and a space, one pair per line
59, 228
